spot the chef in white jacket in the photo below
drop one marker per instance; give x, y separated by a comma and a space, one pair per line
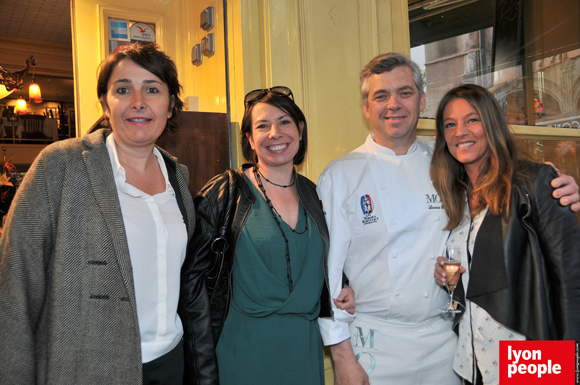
386, 230
386, 227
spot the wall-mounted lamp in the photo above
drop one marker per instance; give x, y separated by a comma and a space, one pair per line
208, 45
196, 56
206, 19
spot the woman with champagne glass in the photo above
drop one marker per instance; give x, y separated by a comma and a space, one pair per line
521, 248
451, 266
269, 286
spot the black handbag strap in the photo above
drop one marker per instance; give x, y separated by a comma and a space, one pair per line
220, 244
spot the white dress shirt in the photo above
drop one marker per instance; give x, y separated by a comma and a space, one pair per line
386, 223
157, 239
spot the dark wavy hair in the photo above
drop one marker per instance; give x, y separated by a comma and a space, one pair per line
287, 105
148, 56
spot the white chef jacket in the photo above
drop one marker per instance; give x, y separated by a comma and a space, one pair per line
386, 222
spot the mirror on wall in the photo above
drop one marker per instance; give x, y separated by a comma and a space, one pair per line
41, 30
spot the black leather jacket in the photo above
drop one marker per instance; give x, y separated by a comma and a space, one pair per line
207, 279
525, 270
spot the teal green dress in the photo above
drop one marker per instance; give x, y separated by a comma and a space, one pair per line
271, 336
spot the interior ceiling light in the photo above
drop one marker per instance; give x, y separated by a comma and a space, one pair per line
4, 92
12, 81
34, 95
20, 107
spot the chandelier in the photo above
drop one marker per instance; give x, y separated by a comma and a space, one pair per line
12, 81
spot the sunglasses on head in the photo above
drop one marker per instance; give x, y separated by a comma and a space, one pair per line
254, 96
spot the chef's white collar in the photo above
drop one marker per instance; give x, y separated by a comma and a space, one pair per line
387, 151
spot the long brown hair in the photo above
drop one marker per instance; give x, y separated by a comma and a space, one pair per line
495, 180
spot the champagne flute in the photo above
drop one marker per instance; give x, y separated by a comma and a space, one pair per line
452, 266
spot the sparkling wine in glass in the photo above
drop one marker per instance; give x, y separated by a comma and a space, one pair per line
452, 266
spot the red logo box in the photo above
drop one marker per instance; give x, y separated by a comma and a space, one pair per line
537, 362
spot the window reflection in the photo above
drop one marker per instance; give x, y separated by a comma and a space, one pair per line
530, 61
556, 82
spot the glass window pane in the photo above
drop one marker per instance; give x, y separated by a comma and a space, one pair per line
556, 82
529, 57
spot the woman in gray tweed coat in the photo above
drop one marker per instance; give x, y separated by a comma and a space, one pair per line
94, 242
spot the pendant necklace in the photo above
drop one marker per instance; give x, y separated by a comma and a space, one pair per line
276, 215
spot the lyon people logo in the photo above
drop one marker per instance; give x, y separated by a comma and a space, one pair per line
366, 205
537, 362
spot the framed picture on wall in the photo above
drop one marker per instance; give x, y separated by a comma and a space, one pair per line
130, 32
118, 29
129, 26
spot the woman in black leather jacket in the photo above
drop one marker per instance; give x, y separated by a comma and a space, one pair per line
259, 229
521, 249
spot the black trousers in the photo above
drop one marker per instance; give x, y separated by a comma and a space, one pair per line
165, 370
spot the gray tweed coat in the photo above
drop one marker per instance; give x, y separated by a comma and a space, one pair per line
67, 301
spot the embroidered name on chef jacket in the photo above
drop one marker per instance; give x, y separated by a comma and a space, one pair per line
434, 202
366, 205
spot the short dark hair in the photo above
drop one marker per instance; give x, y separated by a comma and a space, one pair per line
287, 105
386, 63
148, 56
